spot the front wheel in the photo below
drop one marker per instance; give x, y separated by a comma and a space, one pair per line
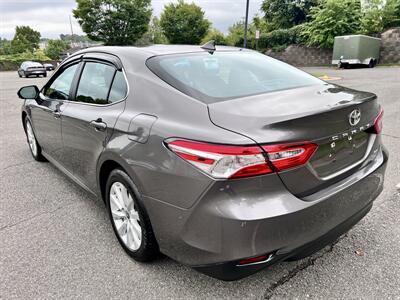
34, 146
129, 219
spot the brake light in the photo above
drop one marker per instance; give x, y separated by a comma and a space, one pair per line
222, 161
378, 125
288, 156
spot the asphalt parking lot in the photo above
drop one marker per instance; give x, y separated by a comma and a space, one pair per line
56, 240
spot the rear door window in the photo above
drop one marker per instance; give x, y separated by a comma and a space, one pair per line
95, 83
118, 89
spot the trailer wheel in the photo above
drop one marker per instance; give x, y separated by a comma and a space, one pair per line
371, 63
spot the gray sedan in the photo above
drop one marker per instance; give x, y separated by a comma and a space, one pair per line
31, 68
222, 158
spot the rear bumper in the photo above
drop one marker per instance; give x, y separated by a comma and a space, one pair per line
245, 218
352, 61
29, 73
232, 270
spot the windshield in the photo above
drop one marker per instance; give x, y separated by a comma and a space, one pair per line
227, 75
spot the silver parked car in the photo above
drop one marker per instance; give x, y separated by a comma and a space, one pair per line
31, 68
223, 159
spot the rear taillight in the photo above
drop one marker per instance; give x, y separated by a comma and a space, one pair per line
222, 161
288, 156
378, 122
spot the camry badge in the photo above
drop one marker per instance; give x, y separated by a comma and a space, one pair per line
355, 117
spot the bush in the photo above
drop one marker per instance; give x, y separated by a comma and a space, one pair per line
13, 61
55, 48
276, 39
215, 35
332, 18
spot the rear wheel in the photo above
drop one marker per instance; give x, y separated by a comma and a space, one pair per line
129, 219
34, 146
371, 63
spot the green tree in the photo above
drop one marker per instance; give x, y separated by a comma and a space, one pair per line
114, 22
25, 39
184, 23
215, 35
332, 18
55, 48
154, 34
236, 33
5, 47
286, 13
157, 35
261, 24
75, 38
391, 14
372, 19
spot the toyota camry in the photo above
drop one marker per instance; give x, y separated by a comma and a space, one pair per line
221, 158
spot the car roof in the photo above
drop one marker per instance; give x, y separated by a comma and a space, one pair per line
33, 63
153, 50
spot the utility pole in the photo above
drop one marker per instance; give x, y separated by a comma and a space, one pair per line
245, 24
72, 32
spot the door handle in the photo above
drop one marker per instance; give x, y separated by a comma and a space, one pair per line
98, 125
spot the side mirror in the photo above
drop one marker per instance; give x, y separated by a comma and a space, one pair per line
28, 92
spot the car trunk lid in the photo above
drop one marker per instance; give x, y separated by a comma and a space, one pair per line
318, 114
36, 68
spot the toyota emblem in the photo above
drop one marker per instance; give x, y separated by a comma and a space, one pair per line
355, 117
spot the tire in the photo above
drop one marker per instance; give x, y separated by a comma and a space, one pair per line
126, 213
34, 146
45, 75
371, 64
19, 74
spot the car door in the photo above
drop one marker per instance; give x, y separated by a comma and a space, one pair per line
88, 121
46, 111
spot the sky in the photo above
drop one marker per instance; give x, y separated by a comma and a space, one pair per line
51, 17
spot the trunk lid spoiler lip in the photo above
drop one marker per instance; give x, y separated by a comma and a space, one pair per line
359, 98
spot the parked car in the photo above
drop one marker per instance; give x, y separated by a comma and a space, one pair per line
223, 159
31, 68
49, 67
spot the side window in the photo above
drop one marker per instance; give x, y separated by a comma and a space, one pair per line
118, 89
60, 87
95, 83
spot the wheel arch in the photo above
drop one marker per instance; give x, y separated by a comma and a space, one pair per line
23, 118
109, 162
105, 169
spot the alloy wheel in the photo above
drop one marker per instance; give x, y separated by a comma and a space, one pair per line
125, 216
31, 138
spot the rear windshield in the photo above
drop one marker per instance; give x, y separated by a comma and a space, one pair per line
34, 64
227, 75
